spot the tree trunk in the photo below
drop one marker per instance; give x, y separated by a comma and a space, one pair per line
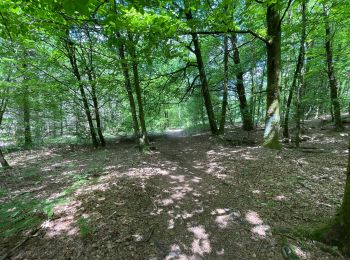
243, 104
345, 207
143, 140
204, 80
272, 127
225, 90
26, 118
3, 161
331, 74
92, 80
260, 97
297, 73
127, 81
252, 101
72, 58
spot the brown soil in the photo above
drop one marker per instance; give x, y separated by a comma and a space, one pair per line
194, 197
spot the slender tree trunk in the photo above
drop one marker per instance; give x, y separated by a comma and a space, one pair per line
204, 80
331, 74
253, 97
3, 106
144, 143
225, 90
272, 127
260, 96
127, 80
243, 104
26, 118
72, 58
298, 110
92, 80
61, 118
297, 73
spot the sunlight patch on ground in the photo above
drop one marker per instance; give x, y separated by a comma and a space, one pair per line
201, 244
253, 218
280, 198
65, 223
88, 189
175, 253
260, 230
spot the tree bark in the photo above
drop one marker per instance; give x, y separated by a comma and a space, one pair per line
297, 73
143, 140
272, 126
225, 90
345, 207
204, 80
243, 104
331, 74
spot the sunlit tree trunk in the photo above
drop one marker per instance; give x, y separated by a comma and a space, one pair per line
225, 88
272, 126
243, 104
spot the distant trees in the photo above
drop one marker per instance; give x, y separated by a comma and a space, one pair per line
125, 68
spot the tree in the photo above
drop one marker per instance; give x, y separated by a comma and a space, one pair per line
243, 104
273, 47
332, 81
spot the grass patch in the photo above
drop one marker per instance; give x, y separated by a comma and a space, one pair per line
84, 228
19, 215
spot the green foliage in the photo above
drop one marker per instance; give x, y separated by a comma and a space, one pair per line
84, 228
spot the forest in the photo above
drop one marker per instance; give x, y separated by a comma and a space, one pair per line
174, 129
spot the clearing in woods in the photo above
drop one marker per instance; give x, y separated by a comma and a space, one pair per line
193, 197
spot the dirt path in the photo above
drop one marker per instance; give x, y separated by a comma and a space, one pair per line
195, 197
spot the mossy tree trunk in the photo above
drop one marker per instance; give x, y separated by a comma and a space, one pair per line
273, 46
243, 104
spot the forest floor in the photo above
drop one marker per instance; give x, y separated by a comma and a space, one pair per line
194, 197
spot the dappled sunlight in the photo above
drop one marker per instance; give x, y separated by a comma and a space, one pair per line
280, 198
223, 220
175, 253
64, 220
224, 217
91, 188
63, 225
253, 218
201, 244
259, 230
